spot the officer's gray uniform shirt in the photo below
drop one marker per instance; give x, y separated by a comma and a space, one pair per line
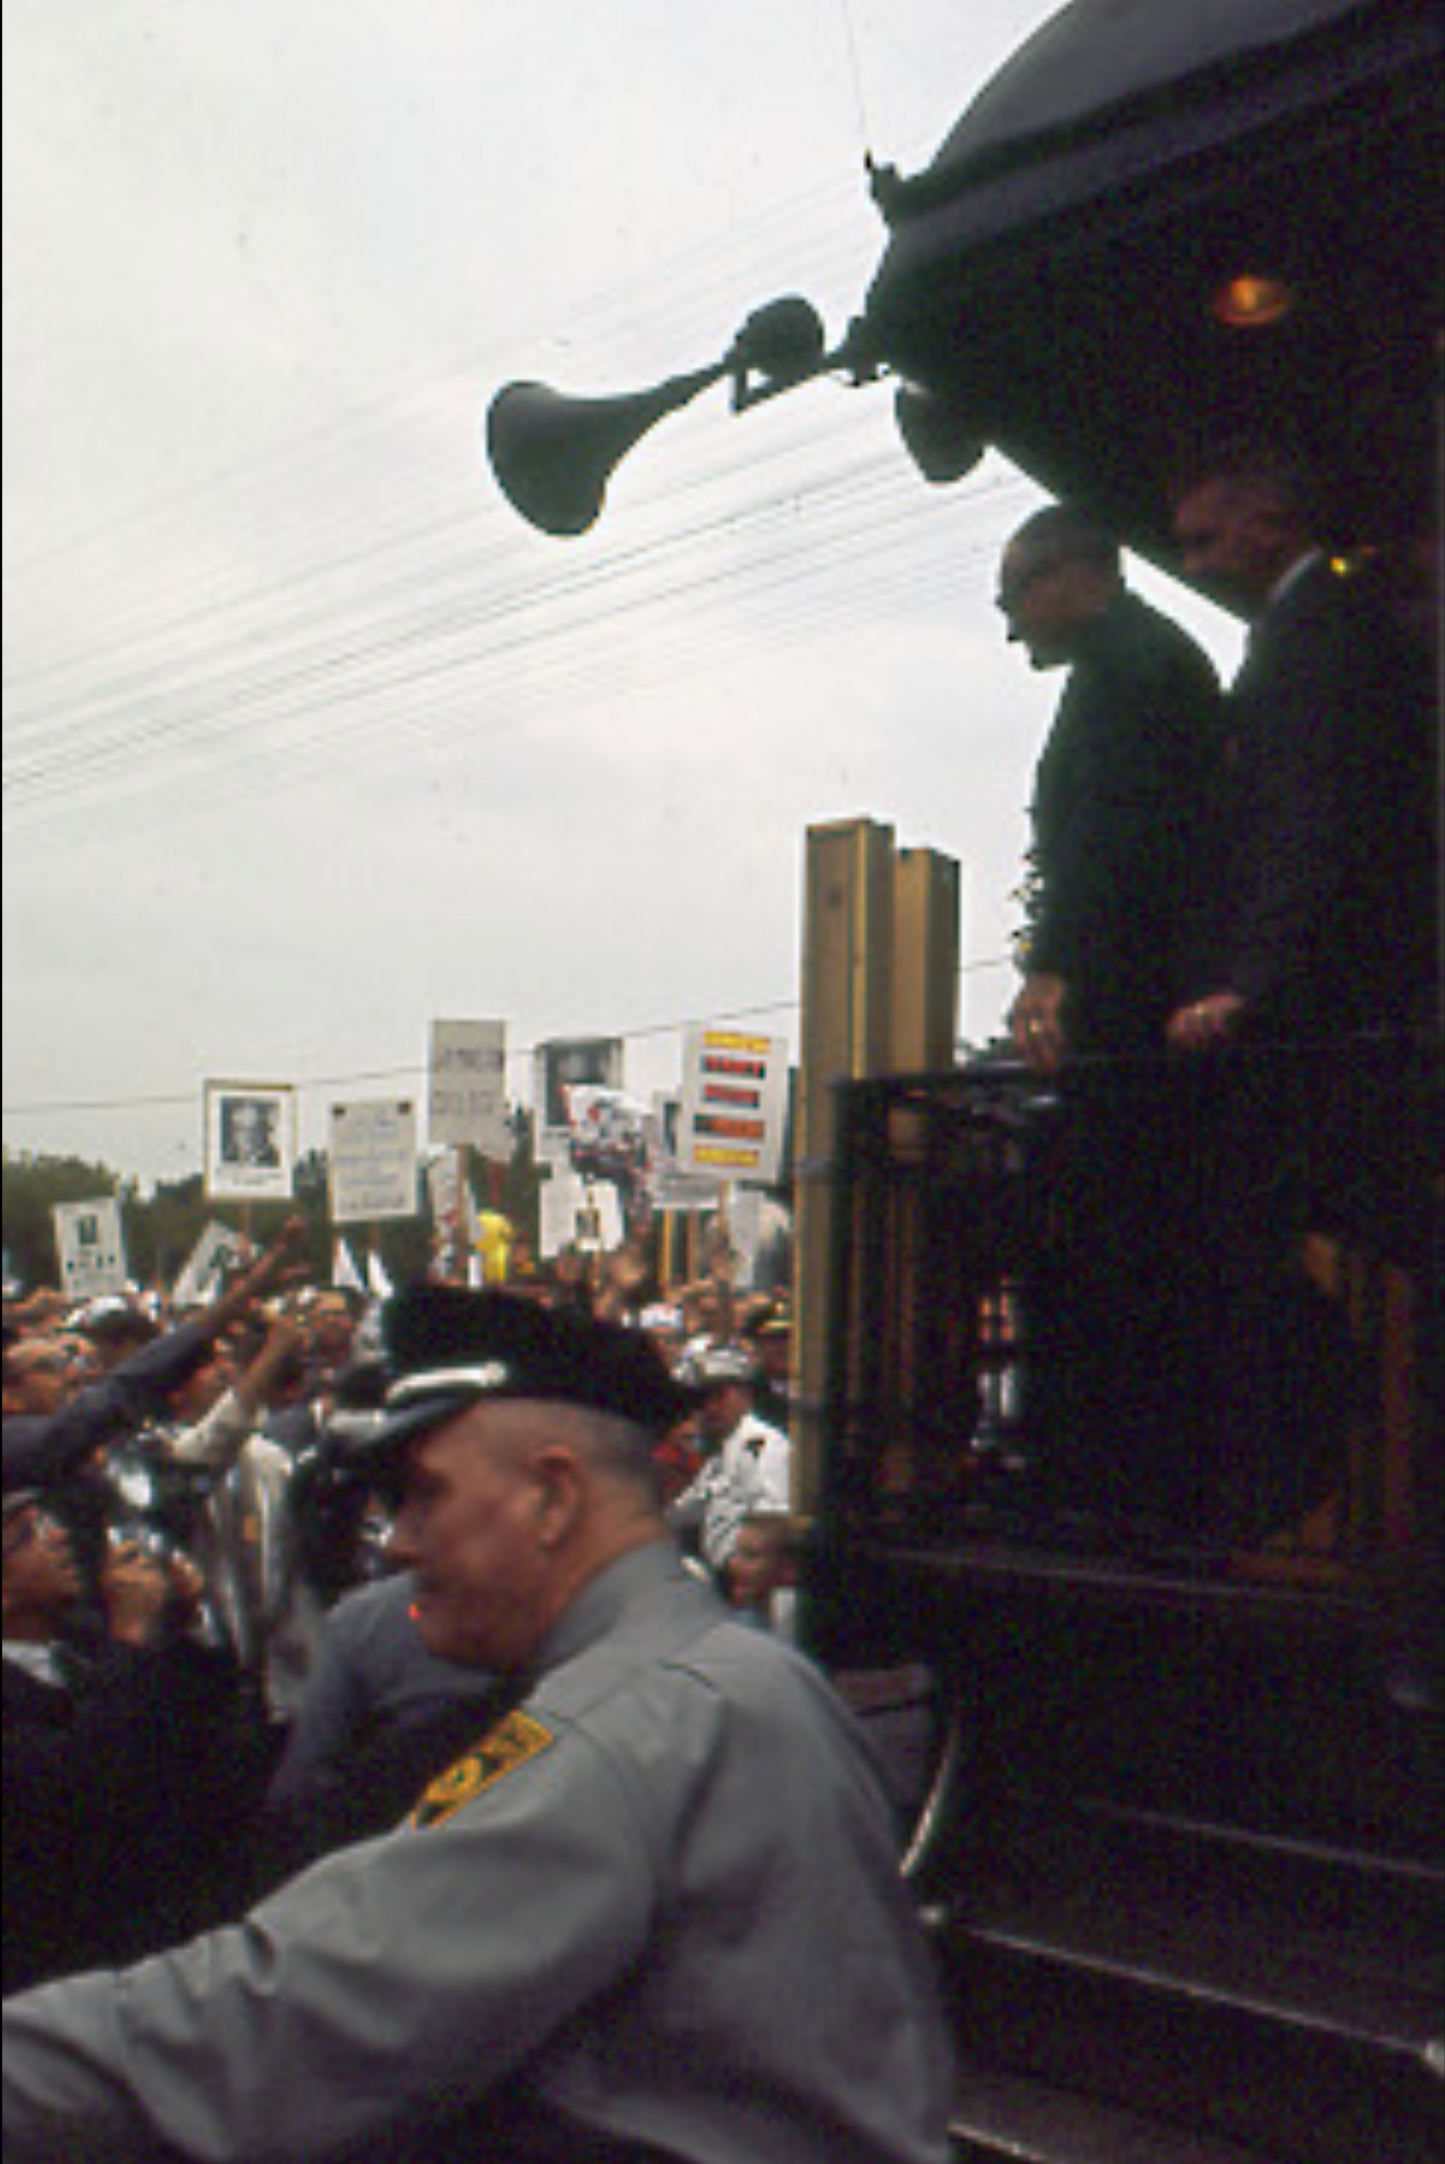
371, 1665
667, 1886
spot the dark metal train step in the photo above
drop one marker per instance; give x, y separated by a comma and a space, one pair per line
1009, 2119
1241, 1705
1315, 2047
1328, 1934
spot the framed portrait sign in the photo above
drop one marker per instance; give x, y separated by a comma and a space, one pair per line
250, 1141
561, 1066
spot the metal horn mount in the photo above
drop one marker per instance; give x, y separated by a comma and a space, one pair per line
553, 456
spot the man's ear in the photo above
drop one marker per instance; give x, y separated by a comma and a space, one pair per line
559, 1494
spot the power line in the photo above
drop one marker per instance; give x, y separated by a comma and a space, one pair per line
422, 591
424, 624
792, 548
395, 1074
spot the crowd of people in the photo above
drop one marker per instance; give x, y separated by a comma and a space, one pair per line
195, 1580
291, 1581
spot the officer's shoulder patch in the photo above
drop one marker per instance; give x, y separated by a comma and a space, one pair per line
499, 1752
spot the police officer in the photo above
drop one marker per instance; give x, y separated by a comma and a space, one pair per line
747, 1462
602, 1933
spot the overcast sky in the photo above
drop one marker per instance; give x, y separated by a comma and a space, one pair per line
309, 738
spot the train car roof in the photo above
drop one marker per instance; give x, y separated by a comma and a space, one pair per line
1158, 223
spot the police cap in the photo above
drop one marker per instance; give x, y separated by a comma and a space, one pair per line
447, 1349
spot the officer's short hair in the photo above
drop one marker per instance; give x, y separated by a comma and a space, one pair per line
616, 1447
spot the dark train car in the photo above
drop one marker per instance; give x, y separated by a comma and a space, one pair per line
1181, 1840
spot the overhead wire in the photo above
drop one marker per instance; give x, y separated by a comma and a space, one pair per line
594, 319
474, 564
533, 662
62, 750
515, 1054
771, 545
478, 607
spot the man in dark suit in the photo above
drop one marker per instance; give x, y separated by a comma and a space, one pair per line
1121, 796
1324, 922
1120, 792
1320, 957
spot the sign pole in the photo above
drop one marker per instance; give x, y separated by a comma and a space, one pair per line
461, 1230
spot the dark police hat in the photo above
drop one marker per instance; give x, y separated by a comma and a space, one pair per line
447, 1349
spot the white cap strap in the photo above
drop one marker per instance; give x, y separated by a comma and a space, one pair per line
440, 1382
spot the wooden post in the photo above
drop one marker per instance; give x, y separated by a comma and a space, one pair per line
880, 996
924, 1031
845, 1025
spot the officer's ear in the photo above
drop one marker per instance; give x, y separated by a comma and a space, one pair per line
558, 1494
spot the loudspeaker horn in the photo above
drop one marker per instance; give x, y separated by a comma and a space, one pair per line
553, 456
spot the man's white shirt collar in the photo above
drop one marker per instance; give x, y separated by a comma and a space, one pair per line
1297, 572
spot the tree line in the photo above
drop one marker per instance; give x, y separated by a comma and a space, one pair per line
162, 1227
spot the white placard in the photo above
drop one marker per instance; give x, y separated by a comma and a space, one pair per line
669, 1186
90, 1242
611, 1137
573, 1212
373, 1161
560, 1066
734, 1105
453, 1211
449, 1198
344, 1274
219, 1249
250, 1141
761, 1232
468, 1101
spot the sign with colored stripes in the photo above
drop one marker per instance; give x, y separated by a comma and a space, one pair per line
734, 1105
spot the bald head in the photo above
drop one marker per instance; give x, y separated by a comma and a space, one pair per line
1060, 572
